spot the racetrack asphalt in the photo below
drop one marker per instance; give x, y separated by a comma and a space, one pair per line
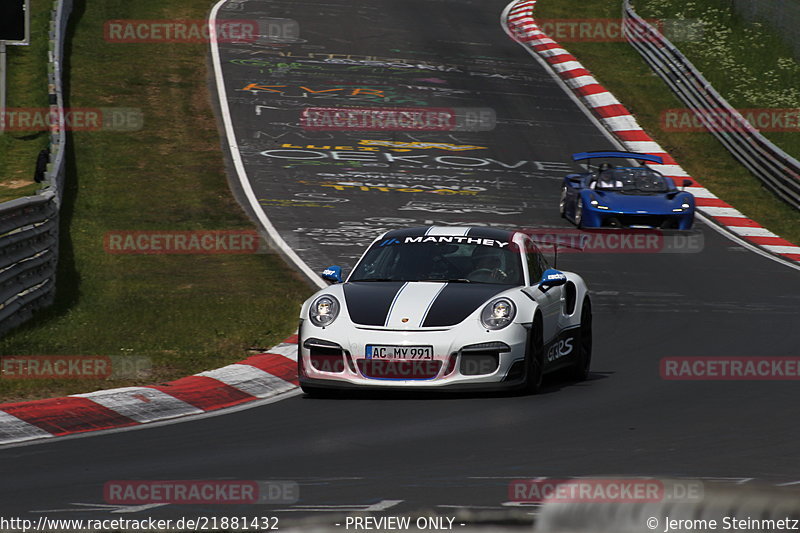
437, 452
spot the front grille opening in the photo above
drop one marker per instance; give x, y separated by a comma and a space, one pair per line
381, 369
653, 221
477, 363
325, 359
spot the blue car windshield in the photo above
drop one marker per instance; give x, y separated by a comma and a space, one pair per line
456, 261
632, 180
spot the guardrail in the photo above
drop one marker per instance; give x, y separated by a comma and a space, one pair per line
29, 226
777, 170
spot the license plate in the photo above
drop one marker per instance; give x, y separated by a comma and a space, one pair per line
377, 351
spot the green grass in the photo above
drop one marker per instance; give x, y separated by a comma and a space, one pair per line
185, 313
622, 70
746, 62
27, 88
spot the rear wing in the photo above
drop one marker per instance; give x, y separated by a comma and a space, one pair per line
620, 155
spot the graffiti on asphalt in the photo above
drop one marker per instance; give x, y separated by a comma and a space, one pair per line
396, 187
476, 163
448, 207
418, 145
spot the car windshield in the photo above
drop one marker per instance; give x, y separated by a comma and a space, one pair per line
457, 261
632, 181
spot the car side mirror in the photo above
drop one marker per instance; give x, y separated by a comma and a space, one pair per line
333, 274
552, 278
687, 183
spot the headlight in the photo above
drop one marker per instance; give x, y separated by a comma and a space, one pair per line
595, 203
323, 310
498, 313
684, 205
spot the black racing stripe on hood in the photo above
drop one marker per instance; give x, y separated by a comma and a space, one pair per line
368, 303
458, 300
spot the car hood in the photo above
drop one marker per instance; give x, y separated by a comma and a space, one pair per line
633, 203
412, 305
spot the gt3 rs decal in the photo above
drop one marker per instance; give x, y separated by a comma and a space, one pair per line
458, 300
565, 344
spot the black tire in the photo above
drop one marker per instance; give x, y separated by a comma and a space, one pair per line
534, 359
562, 203
583, 360
579, 213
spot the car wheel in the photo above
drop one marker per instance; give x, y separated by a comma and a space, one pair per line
562, 203
579, 213
583, 361
534, 359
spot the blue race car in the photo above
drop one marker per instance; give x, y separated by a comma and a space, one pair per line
625, 197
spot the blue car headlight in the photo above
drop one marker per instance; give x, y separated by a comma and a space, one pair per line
498, 313
684, 206
323, 310
595, 203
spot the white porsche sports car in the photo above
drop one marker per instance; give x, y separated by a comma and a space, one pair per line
445, 307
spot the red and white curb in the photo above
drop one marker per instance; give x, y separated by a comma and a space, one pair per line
261, 376
520, 24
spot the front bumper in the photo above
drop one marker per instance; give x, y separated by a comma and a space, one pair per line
605, 218
465, 358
